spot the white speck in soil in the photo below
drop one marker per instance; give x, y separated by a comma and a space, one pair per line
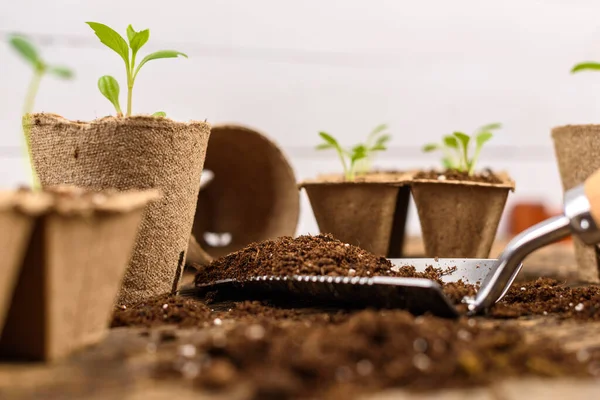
255, 332
368, 272
421, 362
579, 307
523, 289
351, 271
343, 373
441, 177
217, 321
420, 345
123, 307
364, 367
346, 245
545, 312
190, 370
395, 268
187, 350
583, 355
165, 306
570, 304
464, 335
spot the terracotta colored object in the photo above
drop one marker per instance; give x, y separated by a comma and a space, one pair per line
72, 271
459, 219
18, 210
252, 196
577, 149
369, 212
525, 215
139, 152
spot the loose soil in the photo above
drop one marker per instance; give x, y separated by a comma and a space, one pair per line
279, 350
487, 176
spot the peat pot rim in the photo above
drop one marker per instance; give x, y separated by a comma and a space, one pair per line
507, 182
398, 179
140, 120
25, 201
569, 126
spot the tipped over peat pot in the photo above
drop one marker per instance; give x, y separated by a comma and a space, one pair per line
69, 278
138, 152
459, 218
369, 212
577, 149
252, 196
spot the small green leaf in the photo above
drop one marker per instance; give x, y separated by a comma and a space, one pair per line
130, 33
378, 147
358, 152
590, 65
61, 72
378, 129
490, 127
448, 163
481, 138
451, 141
383, 140
109, 87
159, 114
324, 146
329, 139
463, 138
139, 39
158, 55
25, 49
428, 148
111, 39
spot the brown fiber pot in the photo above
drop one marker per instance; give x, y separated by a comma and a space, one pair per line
71, 274
18, 210
459, 219
369, 212
577, 149
252, 196
139, 152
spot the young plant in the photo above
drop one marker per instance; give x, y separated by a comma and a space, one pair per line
109, 87
455, 148
356, 160
586, 66
40, 68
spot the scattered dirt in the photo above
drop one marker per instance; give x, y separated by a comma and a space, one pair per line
486, 176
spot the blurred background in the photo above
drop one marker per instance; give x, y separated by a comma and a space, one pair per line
293, 68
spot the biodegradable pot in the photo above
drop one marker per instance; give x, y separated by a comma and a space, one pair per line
18, 210
577, 149
369, 212
459, 219
138, 152
251, 197
69, 280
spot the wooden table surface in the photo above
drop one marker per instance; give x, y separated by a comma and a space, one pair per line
121, 367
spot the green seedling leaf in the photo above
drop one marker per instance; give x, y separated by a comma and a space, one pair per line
490, 127
378, 147
329, 139
428, 148
159, 114
324, 146
130, 33
450, 141
383, 140
138, 39
26, 50
109, 87
481, 138
589, 66
448, 163
111, 39
464, 139
158, 55
61, 72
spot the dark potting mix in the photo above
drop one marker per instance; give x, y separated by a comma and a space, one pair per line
486, 176
277, 349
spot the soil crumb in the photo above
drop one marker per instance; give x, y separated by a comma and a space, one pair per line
486, 176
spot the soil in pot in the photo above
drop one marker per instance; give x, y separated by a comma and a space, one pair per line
370, 212
252, 196
138, 152
459, 215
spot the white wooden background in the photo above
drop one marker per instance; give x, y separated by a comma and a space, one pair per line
292, 68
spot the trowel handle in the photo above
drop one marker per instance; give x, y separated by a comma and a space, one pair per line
582, 207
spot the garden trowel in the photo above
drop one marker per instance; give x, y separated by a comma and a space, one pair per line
418, 295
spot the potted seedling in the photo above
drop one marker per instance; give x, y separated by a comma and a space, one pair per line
577, 149
460, 208
126, 152
361, 207
40, 67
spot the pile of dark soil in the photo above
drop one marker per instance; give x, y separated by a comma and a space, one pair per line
486, 176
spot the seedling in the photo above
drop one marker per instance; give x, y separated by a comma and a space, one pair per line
357, 159
455, 148
586, 66
109, 87
40, 67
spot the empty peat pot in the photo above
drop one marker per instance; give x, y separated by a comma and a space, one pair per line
577, 149
369, 212
137, 152
251, 197
459, 218
69, 278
